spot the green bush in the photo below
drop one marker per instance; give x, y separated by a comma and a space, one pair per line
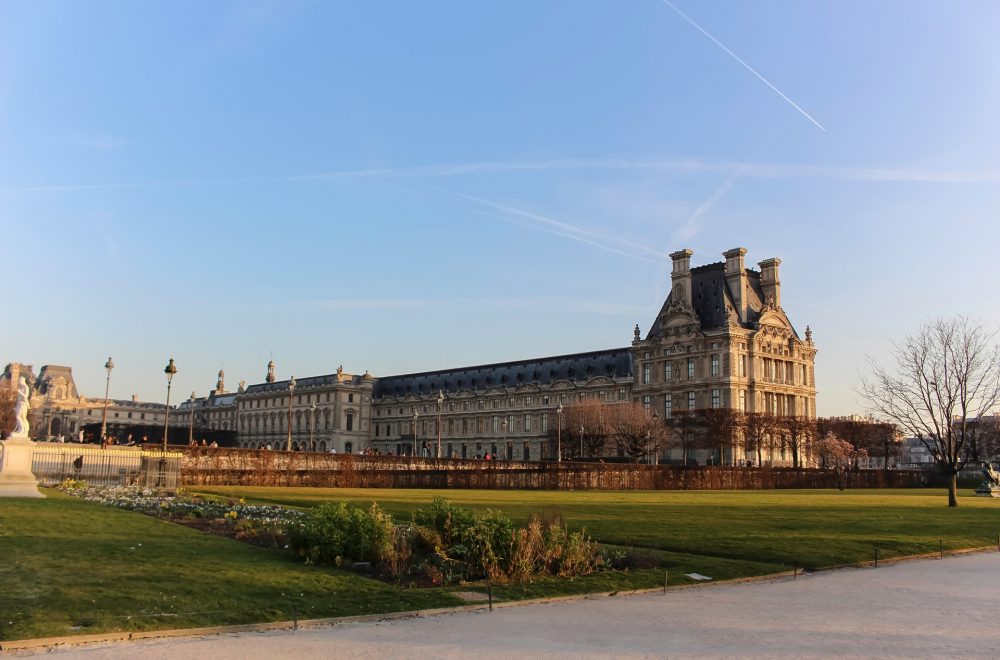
444, 543
341, 533
450, 522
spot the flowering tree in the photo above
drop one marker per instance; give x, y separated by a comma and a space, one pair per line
838, 455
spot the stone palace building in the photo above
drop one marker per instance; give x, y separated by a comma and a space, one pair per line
720, 339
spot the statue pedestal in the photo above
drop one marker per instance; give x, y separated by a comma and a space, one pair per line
987, 491
16, 478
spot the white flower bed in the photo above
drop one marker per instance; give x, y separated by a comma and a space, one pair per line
146, 500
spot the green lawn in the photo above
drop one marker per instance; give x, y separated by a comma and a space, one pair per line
809, 528
68, 566
71, 567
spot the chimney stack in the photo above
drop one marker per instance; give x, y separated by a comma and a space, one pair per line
736, 279
680, 277
769, 281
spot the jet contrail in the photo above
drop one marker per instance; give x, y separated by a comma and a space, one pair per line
747, 66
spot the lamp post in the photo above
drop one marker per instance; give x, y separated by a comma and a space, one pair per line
559, 414
191, 422
440, 405
581, 441
291, 393
169, 370
656, 421
414, 452
109, 365
505, 447
312, 426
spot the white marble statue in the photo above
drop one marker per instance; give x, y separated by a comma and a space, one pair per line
21, 410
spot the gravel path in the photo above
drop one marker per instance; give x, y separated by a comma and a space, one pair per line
927, 608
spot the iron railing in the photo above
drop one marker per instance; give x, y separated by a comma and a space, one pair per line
123, 466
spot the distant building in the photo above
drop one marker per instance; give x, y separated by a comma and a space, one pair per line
59, 411
914, 453
720, 340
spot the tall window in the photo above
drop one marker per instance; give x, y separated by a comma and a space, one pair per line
715, 398
743, 366
690, 400
645, 374
527, 422
668, 372
646, 402
496, 424
545, 422
715, 364
743, 400
668, 405
621, 394
805, 377
691, 367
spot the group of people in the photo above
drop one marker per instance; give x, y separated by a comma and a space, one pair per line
203, 443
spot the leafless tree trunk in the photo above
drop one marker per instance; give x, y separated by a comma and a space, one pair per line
8, 399
756, 428
682, 431
946, 378
635, 431
720, 426
797, 432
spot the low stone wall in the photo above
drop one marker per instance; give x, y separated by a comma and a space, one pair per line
248, 467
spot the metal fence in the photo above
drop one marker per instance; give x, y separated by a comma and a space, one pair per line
54, 463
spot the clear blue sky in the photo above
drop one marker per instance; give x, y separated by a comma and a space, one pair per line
402, 186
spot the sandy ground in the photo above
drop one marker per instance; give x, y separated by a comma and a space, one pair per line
928, 608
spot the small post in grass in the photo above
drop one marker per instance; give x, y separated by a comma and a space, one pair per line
941, 541
489, 591
666, 579
876, 556
795, 571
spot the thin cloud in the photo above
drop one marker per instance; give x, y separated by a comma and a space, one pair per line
604, 307
745, 65
571, 236
563, 227
746, 170
693, 225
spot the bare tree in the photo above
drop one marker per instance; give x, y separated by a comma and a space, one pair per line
682, 431
757, 429
887, 440
797, 432
586, 426
8, 400
946, 377
984, 439
635, 432
721, 427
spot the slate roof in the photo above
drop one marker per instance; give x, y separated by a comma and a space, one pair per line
711, 297
281, 386
577, 368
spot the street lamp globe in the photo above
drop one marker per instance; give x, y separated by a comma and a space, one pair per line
169, 370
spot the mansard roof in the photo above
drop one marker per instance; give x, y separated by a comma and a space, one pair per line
576, 368
712, 300
281, 386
